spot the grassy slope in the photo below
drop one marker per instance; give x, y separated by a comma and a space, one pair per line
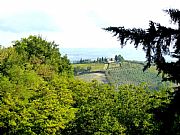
132, 73
128, 73
100, 77
93, 76
94, 66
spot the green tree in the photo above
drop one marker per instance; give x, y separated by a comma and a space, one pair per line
34, 98
134, 103
120, 58
29, 105
157, 41
96, 105
39, 51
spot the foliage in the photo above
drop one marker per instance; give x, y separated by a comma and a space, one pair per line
39, 51
156, 41
96, 106
133, 107
159, 41
39, 95
101, 110
33, 94
119, 58
29, 105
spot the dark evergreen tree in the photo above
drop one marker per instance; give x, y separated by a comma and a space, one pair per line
116, 58
159, 41
102, 59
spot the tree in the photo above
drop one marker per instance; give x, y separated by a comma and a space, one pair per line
102, 59
96, 104
133, 107
39, 51
33, 94
120, 58
116, 58
159, 41
30, 105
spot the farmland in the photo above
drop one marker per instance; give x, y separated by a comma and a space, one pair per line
132, 73
129, 72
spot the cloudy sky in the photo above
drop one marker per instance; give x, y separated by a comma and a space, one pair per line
77, 23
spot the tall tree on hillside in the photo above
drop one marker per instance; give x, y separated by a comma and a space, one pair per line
102, 59
116, 58
159, 41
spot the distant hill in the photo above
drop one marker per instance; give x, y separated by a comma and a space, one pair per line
131, 72
75, 54
128, 72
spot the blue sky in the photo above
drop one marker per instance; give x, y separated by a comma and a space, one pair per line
78, 23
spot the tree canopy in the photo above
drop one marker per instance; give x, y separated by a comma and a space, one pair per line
158, 41
40, 96
33, 94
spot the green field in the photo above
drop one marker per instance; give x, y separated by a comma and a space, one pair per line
128, 73
100, 77
132, 73
94, 66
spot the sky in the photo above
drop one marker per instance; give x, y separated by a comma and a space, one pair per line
78, 23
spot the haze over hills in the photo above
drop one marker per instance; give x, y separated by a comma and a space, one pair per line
93, 53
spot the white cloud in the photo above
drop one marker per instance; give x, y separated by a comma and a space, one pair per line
27, 22
78, 23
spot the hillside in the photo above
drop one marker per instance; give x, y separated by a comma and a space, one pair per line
130, 72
